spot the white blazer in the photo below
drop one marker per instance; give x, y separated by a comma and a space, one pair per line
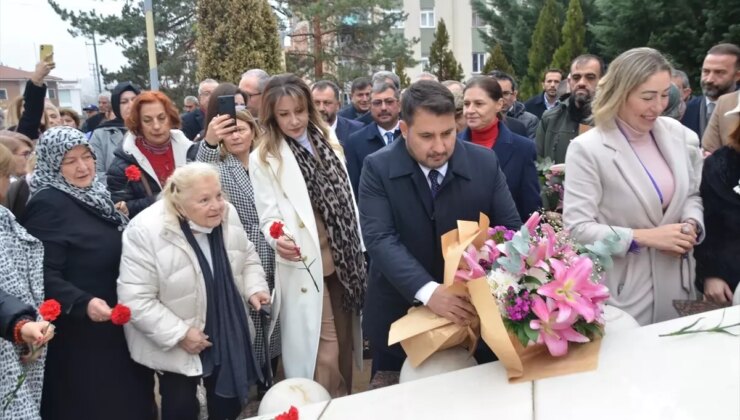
606, 187
280, 194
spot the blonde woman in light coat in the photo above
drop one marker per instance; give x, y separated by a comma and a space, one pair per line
187, 273
297, 170
633, 174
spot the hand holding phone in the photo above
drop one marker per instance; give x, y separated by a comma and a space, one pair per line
227, 106
46, 53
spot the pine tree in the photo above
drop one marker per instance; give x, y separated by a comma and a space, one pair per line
545, 40
400, 70
230, 41
497, 61
442, 62
573, 38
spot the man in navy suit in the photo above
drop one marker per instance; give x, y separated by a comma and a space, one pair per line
359, 99
720, 74
548, 98
192, 122
385, 108
325, 95
411, 193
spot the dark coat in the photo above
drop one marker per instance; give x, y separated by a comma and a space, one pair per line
11, 310
365, 118
192, 123
536, 105
345, 128
349, 112
17, 198
516, 126
33, 110
718, 255
402, 225
517, 156
89, 371
361, 144
695, 116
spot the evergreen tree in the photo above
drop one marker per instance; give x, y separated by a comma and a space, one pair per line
573, 37
545, 40
174, 26
400, 70
230, 41
497, 61
442, 62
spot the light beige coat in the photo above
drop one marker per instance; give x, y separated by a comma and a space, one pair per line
607, 187
280, 194
162, 283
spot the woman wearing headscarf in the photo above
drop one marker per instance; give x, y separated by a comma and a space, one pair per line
107, 137
228, 144
89, 372
21, 291
187, 273
152, 148
300, 180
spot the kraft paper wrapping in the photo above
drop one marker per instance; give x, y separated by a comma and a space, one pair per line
422, 333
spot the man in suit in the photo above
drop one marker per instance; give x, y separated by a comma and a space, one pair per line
325, 95
514, 109
192, 122
561, 124
411, 193
385, 109
723, 123
720, 74
253, 82
359, 99
548, 98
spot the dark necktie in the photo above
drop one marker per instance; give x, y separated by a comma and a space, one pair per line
388, 137
434, 181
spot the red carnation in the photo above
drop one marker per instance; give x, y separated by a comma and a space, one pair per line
133, 173
120, 315
276, 230
291, 414
50, 310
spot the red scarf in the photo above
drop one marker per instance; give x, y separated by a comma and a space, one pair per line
486, 137
162, 159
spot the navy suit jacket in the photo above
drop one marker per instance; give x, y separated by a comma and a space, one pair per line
517, 156
361, 144
536, 105
402, 224
192, 123
345, 128
695, 116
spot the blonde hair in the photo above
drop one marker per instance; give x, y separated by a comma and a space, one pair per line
245, 116
628, 71
15, 109
6, 164
50, 107
180, 183
278, 87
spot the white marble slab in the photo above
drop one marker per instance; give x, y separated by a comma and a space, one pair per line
644, 376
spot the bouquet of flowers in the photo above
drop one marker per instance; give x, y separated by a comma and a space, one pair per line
551, 178
546, 286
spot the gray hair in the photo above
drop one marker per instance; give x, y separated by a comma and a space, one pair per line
205, 82
380, 76
261, 75
105, 95
180, 184
191, 99
683, 76
425, 75
382, 86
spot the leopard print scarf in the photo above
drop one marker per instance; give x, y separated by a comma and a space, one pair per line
330, 192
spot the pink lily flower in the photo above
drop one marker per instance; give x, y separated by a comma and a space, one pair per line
490, 251
573, 290
554, 333
474, 271
532, 222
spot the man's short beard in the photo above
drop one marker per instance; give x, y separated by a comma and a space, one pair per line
582, 99
713, 91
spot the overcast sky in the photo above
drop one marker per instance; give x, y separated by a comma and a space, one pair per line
26, 24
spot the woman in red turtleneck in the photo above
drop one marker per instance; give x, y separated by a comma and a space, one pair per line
483, 103
149, 153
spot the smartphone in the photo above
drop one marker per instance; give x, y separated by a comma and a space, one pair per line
227, 106
46, 53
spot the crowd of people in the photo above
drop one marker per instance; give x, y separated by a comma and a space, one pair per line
329, 219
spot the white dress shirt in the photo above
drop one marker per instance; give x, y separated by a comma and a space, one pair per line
382, 132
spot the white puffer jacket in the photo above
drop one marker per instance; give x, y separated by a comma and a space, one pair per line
161, 282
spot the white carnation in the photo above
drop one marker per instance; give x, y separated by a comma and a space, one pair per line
499, 281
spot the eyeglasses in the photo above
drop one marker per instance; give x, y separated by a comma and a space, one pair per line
388, 102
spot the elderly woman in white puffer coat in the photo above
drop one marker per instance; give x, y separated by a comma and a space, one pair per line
187, 272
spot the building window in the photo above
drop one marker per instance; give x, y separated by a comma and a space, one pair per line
479, 61
52, 93
424, 63
65, 97
3, 94
477, 21
427, 19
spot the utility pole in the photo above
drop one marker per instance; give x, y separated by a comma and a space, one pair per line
96, 72
149, 16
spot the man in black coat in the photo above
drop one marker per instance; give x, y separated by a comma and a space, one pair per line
411, 193
325, 95
385, 109
548, 98
360, 99
192, 122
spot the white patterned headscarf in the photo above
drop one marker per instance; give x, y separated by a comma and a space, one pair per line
52, 146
